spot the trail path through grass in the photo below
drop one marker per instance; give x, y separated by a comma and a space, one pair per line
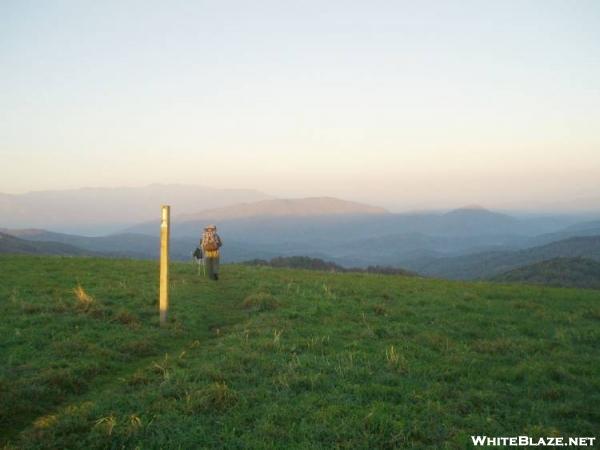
45, 287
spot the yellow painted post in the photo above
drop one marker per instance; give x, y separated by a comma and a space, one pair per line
164, 263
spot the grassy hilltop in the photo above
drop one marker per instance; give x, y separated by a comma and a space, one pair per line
280, 358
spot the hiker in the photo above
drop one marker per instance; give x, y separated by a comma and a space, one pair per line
210, 244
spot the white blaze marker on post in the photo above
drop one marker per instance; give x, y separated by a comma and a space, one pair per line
164, 263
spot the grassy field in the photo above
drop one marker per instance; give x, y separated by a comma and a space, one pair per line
276, 358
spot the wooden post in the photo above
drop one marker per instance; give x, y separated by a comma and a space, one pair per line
164, 263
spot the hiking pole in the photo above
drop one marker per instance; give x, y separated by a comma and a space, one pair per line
194, 260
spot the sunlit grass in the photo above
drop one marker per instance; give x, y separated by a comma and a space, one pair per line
83, 298
276, 358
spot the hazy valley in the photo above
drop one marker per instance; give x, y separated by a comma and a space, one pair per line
466, 243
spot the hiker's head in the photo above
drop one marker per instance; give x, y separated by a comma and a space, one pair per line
211, 228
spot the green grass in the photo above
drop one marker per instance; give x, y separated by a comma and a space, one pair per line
278, 358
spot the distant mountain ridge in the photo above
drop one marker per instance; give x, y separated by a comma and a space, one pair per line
310, 206
262, 217
326, 218
466, 243
468, 219
102, 210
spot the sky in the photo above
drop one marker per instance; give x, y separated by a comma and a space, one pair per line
403, 104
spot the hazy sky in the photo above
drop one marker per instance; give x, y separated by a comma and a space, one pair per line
406, 104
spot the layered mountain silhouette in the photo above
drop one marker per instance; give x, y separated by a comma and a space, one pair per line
467, 243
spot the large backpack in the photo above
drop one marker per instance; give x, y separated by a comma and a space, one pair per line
210, 241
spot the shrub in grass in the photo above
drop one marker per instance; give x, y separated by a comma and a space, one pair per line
395, 360
63, 380
216, 397
66, 426
126, 318
594, 313
84, 300
47, 421
381, 332
138, 378
261, 301
106, 424
380, 309
134, 423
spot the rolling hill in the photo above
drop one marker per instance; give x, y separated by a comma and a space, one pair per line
12, 244
489, 264
132, 245
281, 358
587, 226
565, 272
577, 230
126, 244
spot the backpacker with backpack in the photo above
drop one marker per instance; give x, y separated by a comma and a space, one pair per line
210, 241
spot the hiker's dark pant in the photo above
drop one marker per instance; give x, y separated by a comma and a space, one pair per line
212, 267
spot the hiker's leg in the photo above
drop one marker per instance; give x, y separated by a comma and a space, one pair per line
209, 267
216, 267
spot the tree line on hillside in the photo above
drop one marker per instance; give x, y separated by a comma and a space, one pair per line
305, 262
559, 272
